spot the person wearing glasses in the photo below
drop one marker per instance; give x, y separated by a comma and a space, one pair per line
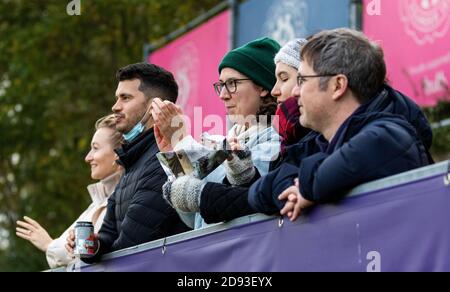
218, 202
247, 76
363, 129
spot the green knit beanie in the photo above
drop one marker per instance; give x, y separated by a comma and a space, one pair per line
254, 60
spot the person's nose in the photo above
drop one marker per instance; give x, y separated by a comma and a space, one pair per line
224, 94
296, 91
88, 157
117, 107
276, 92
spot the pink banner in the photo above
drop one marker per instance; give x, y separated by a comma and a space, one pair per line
415, 37
194, 59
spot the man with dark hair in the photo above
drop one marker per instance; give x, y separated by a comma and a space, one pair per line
363, 129
136, 211
154, 80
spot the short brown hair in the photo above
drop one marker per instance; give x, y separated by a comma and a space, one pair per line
349, 52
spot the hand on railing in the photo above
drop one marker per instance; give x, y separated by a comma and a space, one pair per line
295, 202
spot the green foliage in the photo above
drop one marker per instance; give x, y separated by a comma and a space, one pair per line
57, 76
441, 133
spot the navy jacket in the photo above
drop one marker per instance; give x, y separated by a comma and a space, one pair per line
386, 136
136, 211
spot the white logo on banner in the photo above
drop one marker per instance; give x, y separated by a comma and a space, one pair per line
286, 20
185, 66
425, 20
374, 259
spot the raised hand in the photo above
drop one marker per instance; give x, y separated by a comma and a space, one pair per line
170, 126
32, 231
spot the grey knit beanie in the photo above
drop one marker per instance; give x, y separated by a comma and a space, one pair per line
289, 54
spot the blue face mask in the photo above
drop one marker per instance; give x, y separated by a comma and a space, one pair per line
138, 129
131, 135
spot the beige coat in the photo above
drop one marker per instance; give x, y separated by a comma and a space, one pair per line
57, 254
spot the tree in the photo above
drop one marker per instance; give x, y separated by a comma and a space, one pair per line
57, 76
441, 133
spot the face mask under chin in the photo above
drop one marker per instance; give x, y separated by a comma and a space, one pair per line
136, 131
138, 128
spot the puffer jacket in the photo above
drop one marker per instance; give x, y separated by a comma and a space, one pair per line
136, 212
390, 129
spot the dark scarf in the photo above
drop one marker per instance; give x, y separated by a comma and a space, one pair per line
287, 124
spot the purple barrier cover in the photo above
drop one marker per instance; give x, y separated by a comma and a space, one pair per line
404, 228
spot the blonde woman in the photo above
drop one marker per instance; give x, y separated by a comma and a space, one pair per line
104, 168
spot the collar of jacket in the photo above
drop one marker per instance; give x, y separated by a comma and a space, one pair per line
101, 191
130, 153
389, 100
356, 122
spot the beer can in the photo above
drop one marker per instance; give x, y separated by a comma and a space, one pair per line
84, 240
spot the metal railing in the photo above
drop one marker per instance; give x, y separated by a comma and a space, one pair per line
441, 169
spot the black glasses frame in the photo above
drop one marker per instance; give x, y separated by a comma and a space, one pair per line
302, 78
218, 86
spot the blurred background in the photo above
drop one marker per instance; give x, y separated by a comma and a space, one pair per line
57, 77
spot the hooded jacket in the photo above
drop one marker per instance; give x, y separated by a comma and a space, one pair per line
386, 136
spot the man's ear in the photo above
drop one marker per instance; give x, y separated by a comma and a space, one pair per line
339, 85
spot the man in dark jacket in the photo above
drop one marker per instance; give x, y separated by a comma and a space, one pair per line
221, 203
329, 171
357, 138
136, 211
